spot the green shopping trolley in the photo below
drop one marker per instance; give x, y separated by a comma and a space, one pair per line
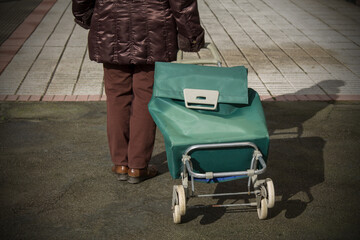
214, 130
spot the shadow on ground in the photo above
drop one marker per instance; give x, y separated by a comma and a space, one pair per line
56, 181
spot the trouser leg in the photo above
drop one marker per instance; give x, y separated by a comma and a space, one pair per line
142, 127
118, 89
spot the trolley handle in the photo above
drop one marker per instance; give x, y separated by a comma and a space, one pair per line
216, 59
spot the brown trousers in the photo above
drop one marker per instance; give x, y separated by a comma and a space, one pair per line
130, 128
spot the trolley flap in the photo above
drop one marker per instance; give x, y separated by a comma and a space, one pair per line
172, 78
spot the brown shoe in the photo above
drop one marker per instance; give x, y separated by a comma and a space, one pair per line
139, 175
121, 171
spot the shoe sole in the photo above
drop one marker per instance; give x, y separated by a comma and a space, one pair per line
135, 180
123, 177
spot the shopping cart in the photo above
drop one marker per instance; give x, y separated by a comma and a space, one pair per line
214, 130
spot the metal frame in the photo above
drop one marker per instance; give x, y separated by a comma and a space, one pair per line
252, 173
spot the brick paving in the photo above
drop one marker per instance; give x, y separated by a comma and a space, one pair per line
295, 50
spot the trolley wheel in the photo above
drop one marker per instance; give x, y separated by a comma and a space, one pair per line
182, 199
263, 209
270, 193
176, 214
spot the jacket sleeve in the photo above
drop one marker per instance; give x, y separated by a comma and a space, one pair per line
190, 32
83, 10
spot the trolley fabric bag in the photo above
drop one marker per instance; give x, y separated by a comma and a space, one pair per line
173, 78
237, 116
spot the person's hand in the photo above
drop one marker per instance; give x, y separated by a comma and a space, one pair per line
191, 45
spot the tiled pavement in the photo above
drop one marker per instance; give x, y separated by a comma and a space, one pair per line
294, 49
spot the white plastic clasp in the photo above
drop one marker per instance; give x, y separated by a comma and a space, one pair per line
209, 175
257, 154
251, 172
201, 99
185, 158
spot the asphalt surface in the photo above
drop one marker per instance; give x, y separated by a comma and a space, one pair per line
56, 182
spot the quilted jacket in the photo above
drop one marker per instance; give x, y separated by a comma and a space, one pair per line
139, 31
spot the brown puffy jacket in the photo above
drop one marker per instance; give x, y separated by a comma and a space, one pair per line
139, 31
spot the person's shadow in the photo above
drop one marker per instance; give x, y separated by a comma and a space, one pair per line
295, 162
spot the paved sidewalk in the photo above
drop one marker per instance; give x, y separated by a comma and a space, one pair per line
294, 49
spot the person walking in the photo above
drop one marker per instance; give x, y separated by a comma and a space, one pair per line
128, 37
